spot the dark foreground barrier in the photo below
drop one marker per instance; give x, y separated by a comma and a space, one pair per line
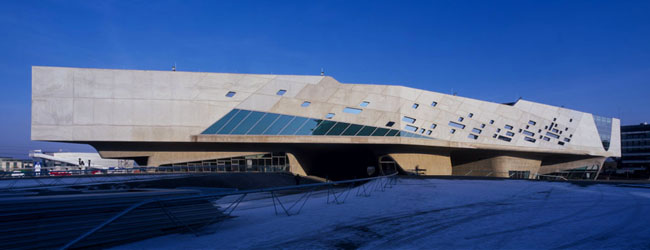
101, 219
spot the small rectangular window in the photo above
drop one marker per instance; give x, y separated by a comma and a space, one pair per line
352, 110
422, 130
433, 125
415, 105
560, 143
503, 138
231, 94
508, 127
305, 104
546, 138
460, 119
411, 128
364, 104
491, 121
457, 125
433, 104
408, 119
329, 115
452, 131
528, 139
477, 131
281, 92
528, 133
470, 115
472, 136
567, 139
552, 135
483, 125
428, 132
498, 130
390, 124
531, 122
510, 133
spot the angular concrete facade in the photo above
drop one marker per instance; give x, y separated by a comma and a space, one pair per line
330, 129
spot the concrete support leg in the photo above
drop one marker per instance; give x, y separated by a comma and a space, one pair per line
429, 164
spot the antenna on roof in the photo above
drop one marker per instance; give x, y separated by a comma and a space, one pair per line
174, 67
322, 72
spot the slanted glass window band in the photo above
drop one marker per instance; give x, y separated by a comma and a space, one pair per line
338, 128
247, 122
241, 115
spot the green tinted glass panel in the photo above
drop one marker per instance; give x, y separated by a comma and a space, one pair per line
380, 132
266, 122
293, 127
247, 123
308, 127
217, 125
278, 125
323, 128
234, 122
392, 132
366, 131
352, 130
338, 128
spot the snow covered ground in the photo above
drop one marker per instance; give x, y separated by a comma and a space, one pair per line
439, 213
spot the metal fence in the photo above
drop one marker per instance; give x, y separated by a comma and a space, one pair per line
148, 170
337, 193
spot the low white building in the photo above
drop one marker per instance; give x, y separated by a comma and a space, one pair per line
76, 161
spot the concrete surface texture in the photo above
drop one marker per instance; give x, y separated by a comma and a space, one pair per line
103, 106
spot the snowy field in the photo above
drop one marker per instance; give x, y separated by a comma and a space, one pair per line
439, 214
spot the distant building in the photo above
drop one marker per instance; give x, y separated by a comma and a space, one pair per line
76, 161
8, 164
635, 149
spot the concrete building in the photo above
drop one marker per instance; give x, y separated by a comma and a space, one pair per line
324, 127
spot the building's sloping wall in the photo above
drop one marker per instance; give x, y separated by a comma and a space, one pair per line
72, 104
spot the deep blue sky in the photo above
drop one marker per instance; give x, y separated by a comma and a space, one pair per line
592, 56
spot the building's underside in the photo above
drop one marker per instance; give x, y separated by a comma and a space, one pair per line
324, 127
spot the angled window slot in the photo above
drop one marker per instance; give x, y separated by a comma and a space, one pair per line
456, 125
352, 110
408, 119
411, 128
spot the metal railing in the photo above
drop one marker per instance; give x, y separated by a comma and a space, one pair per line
337, 193
24, 173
